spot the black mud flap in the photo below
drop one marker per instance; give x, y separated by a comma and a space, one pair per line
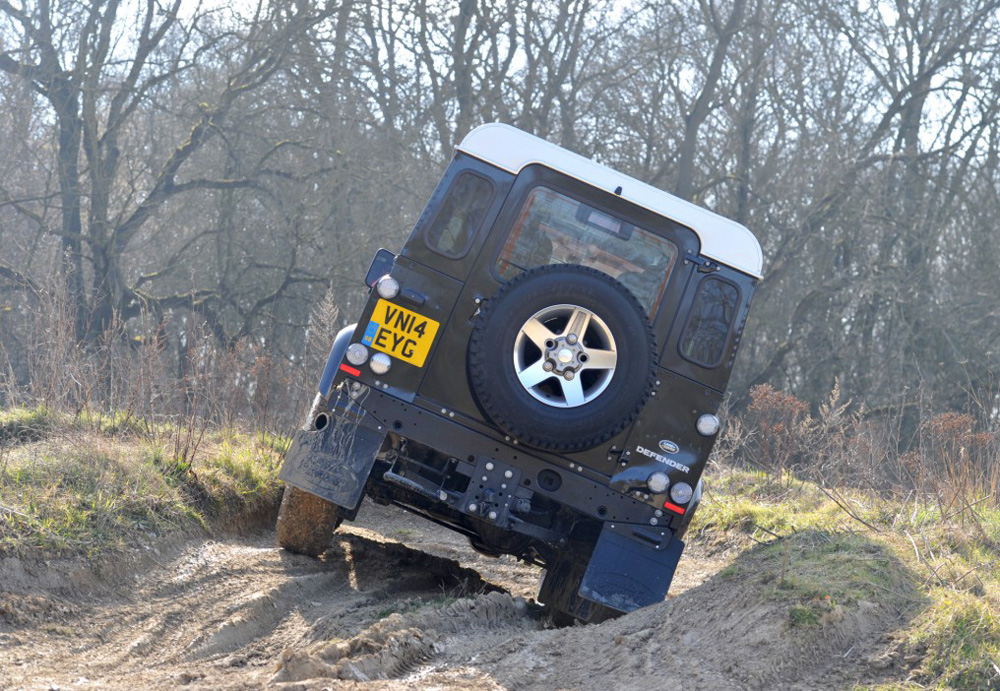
334, 462
631, 567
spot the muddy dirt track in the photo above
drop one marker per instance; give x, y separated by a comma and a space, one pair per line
377, 614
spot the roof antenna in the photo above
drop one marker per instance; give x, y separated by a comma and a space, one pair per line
618, 190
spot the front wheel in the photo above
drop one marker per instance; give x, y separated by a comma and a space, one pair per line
306, 522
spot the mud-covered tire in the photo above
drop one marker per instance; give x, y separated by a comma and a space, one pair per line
559, 593
613, 359
306, 522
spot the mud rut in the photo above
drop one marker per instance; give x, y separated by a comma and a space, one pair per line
372, 614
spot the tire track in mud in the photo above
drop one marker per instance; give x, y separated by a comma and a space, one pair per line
245, 614
398, 645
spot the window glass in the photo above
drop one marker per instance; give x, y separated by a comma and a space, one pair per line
707, 328
552, 228
461, 215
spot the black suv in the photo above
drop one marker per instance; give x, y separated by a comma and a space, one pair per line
539, 369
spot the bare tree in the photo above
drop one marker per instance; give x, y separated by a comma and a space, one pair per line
98, 70
230, 168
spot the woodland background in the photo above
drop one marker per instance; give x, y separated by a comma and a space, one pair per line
189, 192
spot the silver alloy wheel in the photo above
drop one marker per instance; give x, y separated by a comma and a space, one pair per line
565, 356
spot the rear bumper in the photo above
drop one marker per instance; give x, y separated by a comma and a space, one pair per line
633, 559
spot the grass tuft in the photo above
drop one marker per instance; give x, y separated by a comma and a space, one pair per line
22, 425
958, 641
113, 424
83, 492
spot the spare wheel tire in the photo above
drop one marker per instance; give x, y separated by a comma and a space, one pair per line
562, 358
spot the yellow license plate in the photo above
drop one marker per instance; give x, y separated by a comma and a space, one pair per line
400, 333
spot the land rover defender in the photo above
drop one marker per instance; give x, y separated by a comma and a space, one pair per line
539, 369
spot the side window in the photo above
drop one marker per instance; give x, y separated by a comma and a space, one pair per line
462, 213
553, 228
707, 328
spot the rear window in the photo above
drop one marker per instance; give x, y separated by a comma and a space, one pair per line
707, 328
553, 228
461, 215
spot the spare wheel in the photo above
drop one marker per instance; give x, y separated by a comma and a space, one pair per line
562, 357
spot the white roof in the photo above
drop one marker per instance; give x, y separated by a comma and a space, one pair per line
723, 240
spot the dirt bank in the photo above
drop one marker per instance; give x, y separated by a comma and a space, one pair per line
377, 614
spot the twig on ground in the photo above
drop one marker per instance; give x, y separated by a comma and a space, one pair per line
769, 532
843, 505
16, 513
967, 506
916, 552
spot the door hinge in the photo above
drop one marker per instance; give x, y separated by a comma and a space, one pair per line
704, 265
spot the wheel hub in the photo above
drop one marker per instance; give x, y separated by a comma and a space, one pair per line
565, 355
569, 339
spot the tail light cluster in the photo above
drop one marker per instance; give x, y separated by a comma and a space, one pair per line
387, 287
357, 355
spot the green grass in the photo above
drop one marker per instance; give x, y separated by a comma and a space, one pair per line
820, 575
72, 487
935, 568
804, 615
114, 424
744, 508
958, 639
21, 425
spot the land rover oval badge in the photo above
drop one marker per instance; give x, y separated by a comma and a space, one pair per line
668, 446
